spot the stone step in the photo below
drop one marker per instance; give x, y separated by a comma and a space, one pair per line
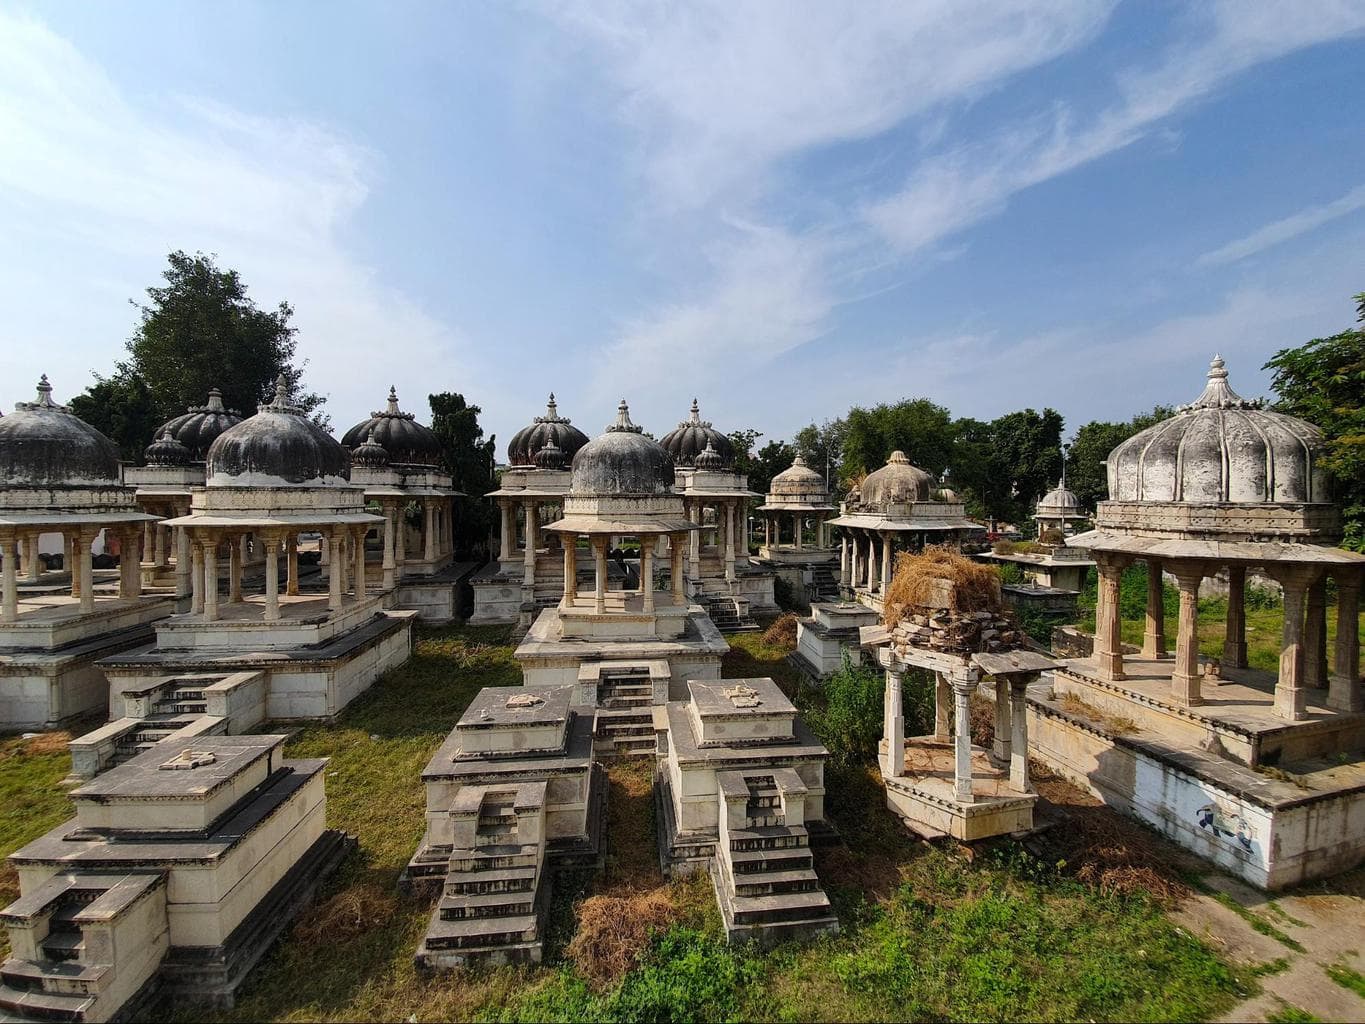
498, 857
768, 883
788, 906
63, 945
37, 1005
760, 820
464, 907
626, 730
770, 837
479, 933
743, 862
479, 883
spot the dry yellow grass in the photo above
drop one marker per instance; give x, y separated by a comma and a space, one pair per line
782, 633
614, 930
976, 587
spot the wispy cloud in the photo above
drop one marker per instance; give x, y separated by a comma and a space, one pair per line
1284, 229
101, 186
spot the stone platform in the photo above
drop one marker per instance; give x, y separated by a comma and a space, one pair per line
924, 797
1277, 803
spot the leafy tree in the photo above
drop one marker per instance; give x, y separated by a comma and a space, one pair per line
823, 448
1086, 474
1323, 382
916, 426
1002, 466
198, 331
469, 459
772, 458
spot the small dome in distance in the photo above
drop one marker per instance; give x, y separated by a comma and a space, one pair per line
709, 459
166, 451
692, 436
370, 454
199, 426
550, 457
521, 450
407, 442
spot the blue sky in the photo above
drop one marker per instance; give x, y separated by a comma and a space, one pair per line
783, 208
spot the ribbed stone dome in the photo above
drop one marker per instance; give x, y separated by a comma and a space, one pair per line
166, 451
277, 447
1061, 500
43, 444
1220, 448
709, 459
407, 442
550, 457
521, 450
622, 462
199, 426
896, 483
370, 453
692, 437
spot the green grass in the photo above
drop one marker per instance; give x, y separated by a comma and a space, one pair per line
926, 933
1257, 922
1271, 967
1347, 977
1288, 1013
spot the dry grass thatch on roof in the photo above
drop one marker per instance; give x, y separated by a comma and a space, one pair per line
917, 584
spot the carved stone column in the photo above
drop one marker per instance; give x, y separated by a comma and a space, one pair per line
843, 560
197, 588
1019, 778
893, 726
1291, 696
358, 575
291, 553
429, 530
1344, 693
1315, 636
9, 557
570, 544
943, 709
1154, 634
235, 570
963, 684
647, 572
675, 547
1000, 747
730, 516
84, 557
1185, 678
887, 561
1108, 635
272, 577
388, 565
509, 529
210, 546
599, 554
1235, 627
334, 578
183, 576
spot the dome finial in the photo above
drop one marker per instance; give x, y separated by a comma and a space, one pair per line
1217, 394
623, 420
45, 393
393, 399
696, 414
215, 401
551, 409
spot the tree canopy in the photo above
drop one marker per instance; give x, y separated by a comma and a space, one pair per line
469, 459
916, 426
823, 449
198, 331
1323, 382
1086, 474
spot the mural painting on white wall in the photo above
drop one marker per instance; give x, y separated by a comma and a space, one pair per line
1228, 824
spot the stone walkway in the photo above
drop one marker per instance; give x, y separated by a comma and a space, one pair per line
1326, 922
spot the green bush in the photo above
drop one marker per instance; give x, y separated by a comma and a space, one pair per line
849, 720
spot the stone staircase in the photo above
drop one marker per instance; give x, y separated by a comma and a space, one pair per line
83, 947
763, 872
625, 716
493, 898
824, 585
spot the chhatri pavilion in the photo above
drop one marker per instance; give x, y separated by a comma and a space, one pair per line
397, 462
1222, 485
275, 476
796, 540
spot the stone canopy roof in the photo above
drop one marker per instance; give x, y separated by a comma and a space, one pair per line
43, 444
691, 439
404, 440
278, 447
521, 450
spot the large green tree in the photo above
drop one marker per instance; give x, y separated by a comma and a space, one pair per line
1323, 382
916, 426
1001, 467
823, 449
1086, 474
198, 331
469, 458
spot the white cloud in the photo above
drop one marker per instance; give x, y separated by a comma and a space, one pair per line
97, 186
1284, 229
950, 192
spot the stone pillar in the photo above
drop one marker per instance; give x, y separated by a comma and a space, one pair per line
943, 709
1344, 692
797, 531
872, 572
1185, 677
767, 532
855, 560
1235, 629
1000, 747
508, 529
210, 545
963, 686
148, 548
130, 572
1291, 697
334, 582
291, 552
35, 561
887, 562
9, 588
731, 514
529, 554
429, 530
159, 545
400, 540
1315, 636
272, 577
183, 559
358, 577
243, 555
235, 570
599, 555
843, 560
388, 564
1108, 635
70, 559
676, 551
84, 556
196, 576
1019, 779
570, 542
647, 572
694, 542
893, 726
1154, 635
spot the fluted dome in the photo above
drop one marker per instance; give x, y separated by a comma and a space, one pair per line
279, 446
550, 457
1059, 501
1218, 449
199, 426
692, 437
896, 483
166, 451
797, 477
407, 442
43, 444
370, 453
709, 459
521, 450
622, 462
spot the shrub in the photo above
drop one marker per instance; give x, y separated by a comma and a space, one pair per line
850, 722
782, 633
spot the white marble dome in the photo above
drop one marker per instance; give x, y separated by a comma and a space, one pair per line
1060, 501
622, 462
896, 483
278, 447
1220, 449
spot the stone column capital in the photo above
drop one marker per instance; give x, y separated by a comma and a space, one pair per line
1294, 575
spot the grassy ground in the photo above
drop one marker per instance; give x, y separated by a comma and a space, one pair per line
928, 932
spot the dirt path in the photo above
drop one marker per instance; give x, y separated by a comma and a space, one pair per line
1326, 923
